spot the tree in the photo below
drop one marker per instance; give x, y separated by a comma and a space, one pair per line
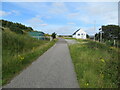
53, 35
110, 35
97, 36
111, 32
16, 27
87, 36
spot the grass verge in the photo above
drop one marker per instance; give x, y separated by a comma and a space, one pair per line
96, 64
18, 52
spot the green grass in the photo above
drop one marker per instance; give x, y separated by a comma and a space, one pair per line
96, 64
18, 52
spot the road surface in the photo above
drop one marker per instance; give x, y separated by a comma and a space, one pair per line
71, 41
54, 69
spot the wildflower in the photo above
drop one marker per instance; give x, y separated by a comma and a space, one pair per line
112, 47
33, 48
102, 75
86, 84
102, 60
20, 57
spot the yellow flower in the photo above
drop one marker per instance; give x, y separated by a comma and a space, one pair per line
33, 48
102, 75
102, 60
18, 55
112, 47
21, 57
86, 84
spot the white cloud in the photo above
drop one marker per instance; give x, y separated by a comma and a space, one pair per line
91, 30
73, 15
57, 8
110, 18
59, 29
85, 19
71, 23
48, 11
3, 13
64, 30
35, 21
15, 12
43, 24
79, 17
104, 12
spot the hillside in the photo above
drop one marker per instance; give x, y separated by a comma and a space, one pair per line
19, 50
15, 27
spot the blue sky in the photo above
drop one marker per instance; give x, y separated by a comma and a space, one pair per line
61, 17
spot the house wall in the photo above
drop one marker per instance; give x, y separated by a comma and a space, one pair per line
74, 36
80, 35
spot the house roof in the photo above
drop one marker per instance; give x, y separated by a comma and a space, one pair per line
36, 33
77, 31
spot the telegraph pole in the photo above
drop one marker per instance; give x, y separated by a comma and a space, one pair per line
94, 28
101, 35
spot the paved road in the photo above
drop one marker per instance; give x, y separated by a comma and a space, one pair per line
71, 41
54, 69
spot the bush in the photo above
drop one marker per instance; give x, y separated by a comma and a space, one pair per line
54, 35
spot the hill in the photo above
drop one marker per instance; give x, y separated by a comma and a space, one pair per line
15, 27
19, 49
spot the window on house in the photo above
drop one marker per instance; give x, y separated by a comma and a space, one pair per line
82, 34
78, 34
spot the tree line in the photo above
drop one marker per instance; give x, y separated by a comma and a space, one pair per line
109, 34
15, 27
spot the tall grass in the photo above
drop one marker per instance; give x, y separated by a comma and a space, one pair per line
96, 64
18, 52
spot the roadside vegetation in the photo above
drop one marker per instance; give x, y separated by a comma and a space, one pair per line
109, 34
96, 64
19, 50
16, 27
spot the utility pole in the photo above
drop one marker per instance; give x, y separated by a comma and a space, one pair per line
101, 35
114, 42
94, 28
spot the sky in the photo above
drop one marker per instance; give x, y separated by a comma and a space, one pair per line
64, 18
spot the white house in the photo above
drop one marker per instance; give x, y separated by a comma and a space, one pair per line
79, 34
